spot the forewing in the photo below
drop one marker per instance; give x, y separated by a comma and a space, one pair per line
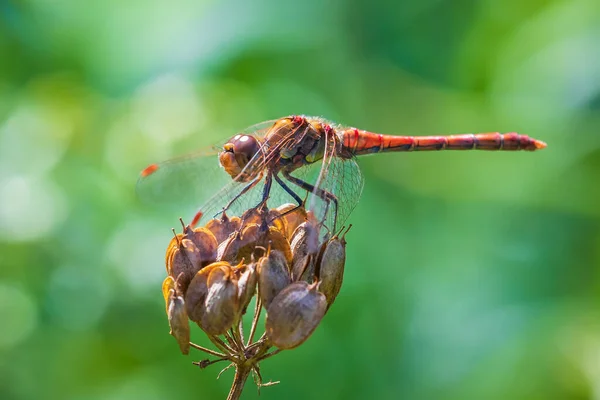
182, 182
191, 180
240, 196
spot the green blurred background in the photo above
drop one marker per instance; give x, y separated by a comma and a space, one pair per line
469, 275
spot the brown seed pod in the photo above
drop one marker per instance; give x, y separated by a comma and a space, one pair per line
273, 276
293, 217
330, 268
204, 240
240, 246
167, 286
196, 293
305, 246
251, 244
246, 282
221, 305
277, 241
207, 243
223, 227
171, 248
275, 220
184, 263
178, 321
252, 216
294, 314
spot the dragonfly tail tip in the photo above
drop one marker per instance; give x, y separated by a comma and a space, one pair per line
539, 145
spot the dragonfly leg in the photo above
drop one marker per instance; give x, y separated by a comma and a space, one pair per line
266, 190
326, 196
261, 207
244, 190
289, 191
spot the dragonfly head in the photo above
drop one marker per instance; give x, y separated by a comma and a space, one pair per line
237, 152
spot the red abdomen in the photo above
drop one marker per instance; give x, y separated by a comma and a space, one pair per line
359, 142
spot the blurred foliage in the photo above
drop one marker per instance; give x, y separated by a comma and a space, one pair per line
469, 275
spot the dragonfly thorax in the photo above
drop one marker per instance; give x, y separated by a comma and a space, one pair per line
237, 152
298, 141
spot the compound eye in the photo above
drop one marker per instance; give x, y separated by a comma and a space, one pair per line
244, 148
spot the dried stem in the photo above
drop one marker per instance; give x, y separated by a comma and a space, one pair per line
209, 351
232, 342
268, 355
241, 331
239, 341
205, 363
257, 309
241, 375
222, 346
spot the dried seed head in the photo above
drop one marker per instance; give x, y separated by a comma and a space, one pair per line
293, 216
246, 282
330, 268
252, 216
251, 244
167, 286
276, 240
196, 293
171, 248
207, 244
222, 228
305, 246
178, 321
294, 314
275, 220
273, 276
204, 240
221, 305
240, 246
184, 263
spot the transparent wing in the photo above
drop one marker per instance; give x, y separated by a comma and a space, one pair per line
182, 181
340, 177
337, 185
239, 196
344, 180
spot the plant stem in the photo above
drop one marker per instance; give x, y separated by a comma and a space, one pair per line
255, 320
209, 351
242, 371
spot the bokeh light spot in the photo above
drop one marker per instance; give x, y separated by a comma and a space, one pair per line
78, 296
18, 314
167, 109
31, 208
137, 249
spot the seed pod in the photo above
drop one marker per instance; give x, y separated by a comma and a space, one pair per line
196, 293
171, 248
294, 315
178, 321
204, 240
240, 246
305, 245
252, 216
207, 243
184, 263
246, 283
295, 217
277, 241
273, 276
167, 286
330, 268
221, 305
222, 228
276, 221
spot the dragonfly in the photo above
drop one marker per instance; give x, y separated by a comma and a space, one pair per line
307, 161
